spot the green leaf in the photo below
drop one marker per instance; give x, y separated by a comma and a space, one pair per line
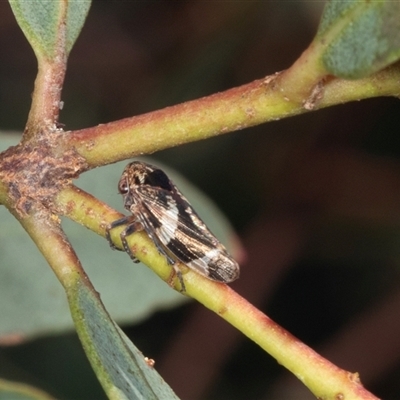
359, 37
118, 364
43, 21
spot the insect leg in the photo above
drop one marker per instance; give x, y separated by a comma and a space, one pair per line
131, 228
177, 272
114, 224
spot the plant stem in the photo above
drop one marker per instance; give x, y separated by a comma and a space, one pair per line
238, 108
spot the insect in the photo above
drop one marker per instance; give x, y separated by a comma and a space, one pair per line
160, 209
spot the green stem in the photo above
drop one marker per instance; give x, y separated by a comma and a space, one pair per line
252, 104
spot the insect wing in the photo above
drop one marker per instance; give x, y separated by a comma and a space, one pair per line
185, 235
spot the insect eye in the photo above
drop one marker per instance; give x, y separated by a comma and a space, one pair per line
123, 187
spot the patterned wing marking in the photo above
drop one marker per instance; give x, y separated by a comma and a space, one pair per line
185, 235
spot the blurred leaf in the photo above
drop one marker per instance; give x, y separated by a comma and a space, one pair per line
41, 20
32, 301
18, 391
361, 37
119, 365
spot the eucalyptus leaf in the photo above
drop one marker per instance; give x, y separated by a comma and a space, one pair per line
359, 37
42, 21
120, 367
